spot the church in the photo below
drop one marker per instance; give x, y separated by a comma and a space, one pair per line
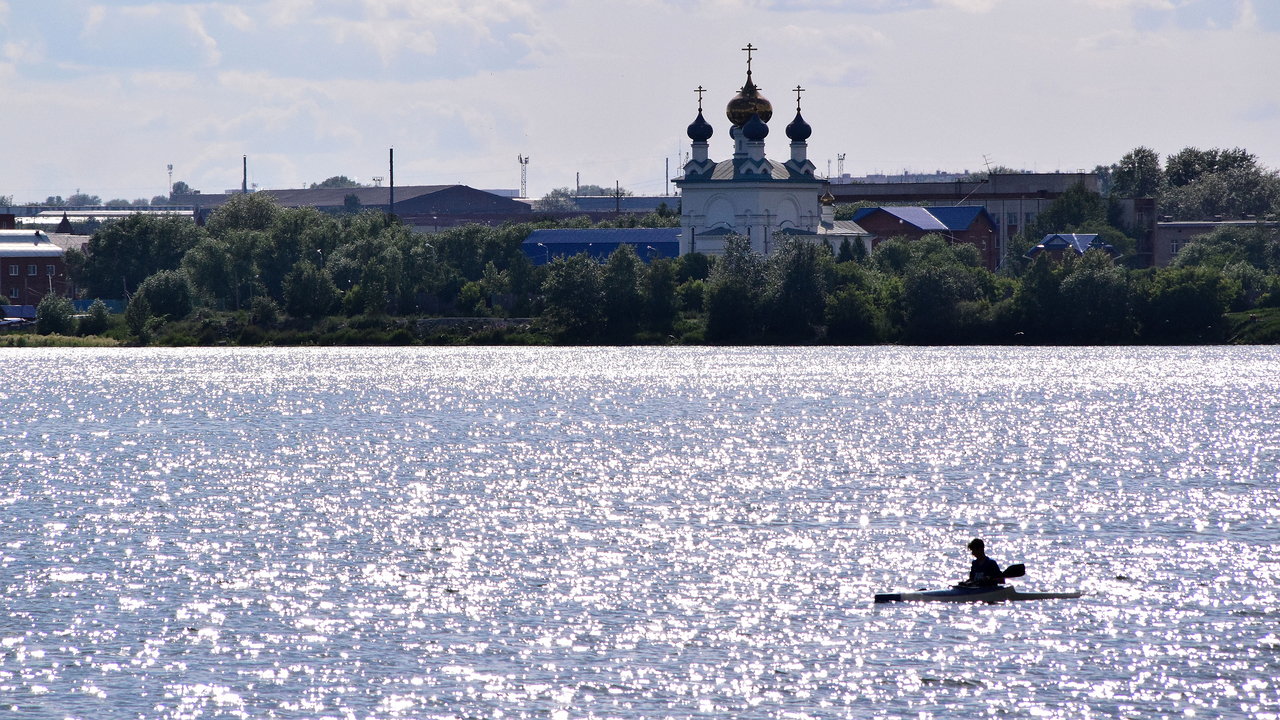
751, 195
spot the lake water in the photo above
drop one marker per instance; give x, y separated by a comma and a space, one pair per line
636, 533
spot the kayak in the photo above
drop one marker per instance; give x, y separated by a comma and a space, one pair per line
999, 593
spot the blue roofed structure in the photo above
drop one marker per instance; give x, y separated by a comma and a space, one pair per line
1058, 243
543, 246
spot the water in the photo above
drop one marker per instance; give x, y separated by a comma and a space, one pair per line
636, 533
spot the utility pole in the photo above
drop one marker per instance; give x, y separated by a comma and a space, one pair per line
524, 169
577, 184
391, 160
666, 182
617, 196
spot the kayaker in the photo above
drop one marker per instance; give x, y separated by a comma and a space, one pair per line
984, 572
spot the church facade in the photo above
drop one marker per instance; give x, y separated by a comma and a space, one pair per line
750, 194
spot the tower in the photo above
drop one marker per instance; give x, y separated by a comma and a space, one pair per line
766, 201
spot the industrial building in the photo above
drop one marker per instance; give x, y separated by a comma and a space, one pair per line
543, 246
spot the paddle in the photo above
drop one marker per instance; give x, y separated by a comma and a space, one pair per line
1014, 571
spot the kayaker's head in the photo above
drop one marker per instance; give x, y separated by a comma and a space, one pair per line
978, 548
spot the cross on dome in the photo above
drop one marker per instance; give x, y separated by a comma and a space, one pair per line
749, 49
797, 91
700, 90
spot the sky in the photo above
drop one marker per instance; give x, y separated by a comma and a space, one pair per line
101, 96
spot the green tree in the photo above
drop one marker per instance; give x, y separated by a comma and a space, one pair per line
136, 317
852, 318
53, 316
574, 292
309, 291
732, 298
557, 200
1258, 246
931, 298
122, 254
1037, 300
180, 188
623, 293
336, 182
1185, 304
254, 211
1138, 174
794, 295
168, 294
97, 321
691, 294
660, 295
84, 200
1095, 301
692, 266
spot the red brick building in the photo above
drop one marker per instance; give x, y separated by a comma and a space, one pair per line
968, 224
31, 266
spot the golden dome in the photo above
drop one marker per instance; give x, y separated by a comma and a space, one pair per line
827, 198
748, 102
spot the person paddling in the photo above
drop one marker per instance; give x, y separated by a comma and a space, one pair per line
984, 572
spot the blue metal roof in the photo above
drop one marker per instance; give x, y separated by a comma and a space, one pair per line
543, 246
576, 236
937, 219
1081, 243
959, 218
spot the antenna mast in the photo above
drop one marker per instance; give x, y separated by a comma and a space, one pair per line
524, 167
171, 180
840, 164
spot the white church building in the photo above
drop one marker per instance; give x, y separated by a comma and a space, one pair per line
752, 195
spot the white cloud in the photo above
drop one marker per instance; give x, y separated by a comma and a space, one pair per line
236, 17
4, 12
24, 51
195, 22
164, 80
974, 6
93, 19
605, 87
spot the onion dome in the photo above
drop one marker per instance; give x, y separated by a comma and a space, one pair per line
827, 198
748, 102
799, 130
700, 130
755, 129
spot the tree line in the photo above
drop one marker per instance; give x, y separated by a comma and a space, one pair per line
299, 268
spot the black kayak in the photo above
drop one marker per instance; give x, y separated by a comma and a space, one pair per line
999, 593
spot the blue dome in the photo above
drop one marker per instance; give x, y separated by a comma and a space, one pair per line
700, 130
755, 129
799, 130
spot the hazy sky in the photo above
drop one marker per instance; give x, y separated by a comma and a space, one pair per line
102, 95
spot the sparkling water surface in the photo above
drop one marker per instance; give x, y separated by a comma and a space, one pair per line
636, 533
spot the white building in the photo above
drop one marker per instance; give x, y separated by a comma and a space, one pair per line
750, 194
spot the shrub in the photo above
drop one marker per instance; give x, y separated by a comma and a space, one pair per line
53, 316
265, 310
97, 321
136, 317
168, 294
